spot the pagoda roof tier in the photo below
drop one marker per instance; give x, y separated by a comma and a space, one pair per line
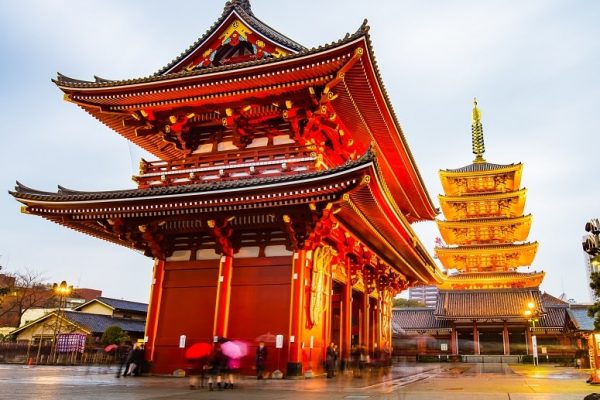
484, 258
161, 220
483, 231
503, 304
481, 177
492, 280
340, 81
478, 206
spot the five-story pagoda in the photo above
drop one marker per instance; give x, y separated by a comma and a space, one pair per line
281, 202
485, 231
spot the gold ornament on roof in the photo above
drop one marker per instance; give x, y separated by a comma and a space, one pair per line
477, 134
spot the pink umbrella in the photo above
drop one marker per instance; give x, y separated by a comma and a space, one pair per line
243, 346
234, 349
110, 348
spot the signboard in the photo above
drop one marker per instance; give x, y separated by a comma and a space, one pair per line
444, 347
544, 350
70, 342
279, 341
534, 346
312, 341
182, 342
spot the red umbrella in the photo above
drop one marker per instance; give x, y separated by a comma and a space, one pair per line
110, 347
198, 350
266, 337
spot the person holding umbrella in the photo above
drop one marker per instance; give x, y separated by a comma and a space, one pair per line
261, 359
197, 357
216, 362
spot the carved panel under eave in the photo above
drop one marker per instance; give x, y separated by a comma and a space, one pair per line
501, 230
457, 208
500, 180
487, 258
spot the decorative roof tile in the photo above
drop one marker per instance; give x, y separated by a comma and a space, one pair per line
98, 323
26, 193
481, 167
242, 8
580, 317
497, 303
422, 318
124, 305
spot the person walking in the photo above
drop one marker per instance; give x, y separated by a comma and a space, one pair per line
261, 359
216, 364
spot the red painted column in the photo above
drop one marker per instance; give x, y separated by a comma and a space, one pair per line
156, 290
294, 367
223, 295
346, 321
365, 322
505, 340
475, 339
454, 341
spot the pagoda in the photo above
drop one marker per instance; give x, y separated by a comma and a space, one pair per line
279, 208
485, 233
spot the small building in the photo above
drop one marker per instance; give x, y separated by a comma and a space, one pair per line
115, 308
90, 319
422, 332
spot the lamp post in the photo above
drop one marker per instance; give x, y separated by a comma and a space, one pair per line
62, 290
531, 313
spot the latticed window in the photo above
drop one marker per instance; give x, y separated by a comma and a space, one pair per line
484, 234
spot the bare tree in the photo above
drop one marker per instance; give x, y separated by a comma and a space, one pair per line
21, 291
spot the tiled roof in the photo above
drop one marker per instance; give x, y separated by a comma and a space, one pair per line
498, 303
407, 319
63, 194
580, 318
98, 323
124, 305
481, 167
556, 317
550, 300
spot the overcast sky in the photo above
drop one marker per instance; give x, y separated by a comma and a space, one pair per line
533, 65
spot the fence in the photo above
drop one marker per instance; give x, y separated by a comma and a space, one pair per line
25, 353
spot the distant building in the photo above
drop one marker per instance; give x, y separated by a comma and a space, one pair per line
89, 319
427, 295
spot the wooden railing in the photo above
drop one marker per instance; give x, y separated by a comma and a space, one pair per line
229, 165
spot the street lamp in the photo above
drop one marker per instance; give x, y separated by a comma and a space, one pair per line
531, 313
62, 290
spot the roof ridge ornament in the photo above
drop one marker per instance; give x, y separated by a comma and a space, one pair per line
477, 134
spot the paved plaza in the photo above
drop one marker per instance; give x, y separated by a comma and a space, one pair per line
402, 382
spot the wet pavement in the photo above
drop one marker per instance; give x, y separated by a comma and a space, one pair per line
402, 382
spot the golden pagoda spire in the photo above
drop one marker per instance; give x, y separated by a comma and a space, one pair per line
477, 134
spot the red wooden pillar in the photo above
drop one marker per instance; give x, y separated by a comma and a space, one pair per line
223, 295
377, 322
475, 339
346, 345
529, 341
365, 322
506, 340
294, 365
421, 344
454, 341
156, 290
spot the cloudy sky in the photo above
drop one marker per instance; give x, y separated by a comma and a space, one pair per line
533, 65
